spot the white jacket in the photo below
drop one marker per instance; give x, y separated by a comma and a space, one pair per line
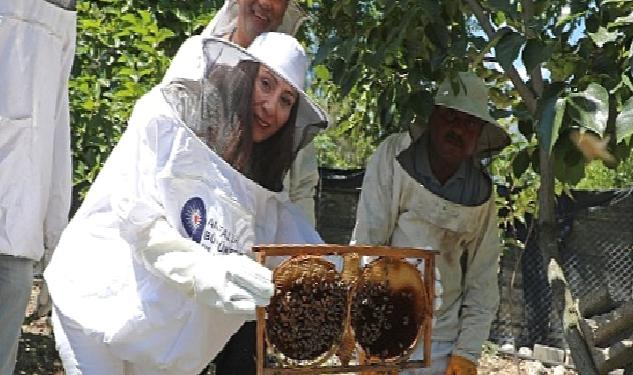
160, 171
302, 180
394, 209
38, 42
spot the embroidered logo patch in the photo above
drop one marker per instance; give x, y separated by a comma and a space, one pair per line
194, 217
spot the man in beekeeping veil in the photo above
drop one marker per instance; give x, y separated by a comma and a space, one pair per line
155, 273
427, 188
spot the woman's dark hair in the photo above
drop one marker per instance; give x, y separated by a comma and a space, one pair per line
265, 162
272, 158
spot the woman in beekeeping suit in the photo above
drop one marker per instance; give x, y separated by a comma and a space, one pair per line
154, 274
241, 21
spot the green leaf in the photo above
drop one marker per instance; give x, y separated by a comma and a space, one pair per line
548, 124
591, 108
624, 121
534, 53
324, 50
526, 128
507, 50
520, 163
321, 72
622, 21
547, 115
603, 36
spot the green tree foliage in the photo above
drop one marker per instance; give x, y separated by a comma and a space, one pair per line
123, 49
382, 59
386, 56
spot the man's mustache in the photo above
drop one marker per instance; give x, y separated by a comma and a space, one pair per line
454, 138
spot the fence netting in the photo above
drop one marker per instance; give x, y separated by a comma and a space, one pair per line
595, 243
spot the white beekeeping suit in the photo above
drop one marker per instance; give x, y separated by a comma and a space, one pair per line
301, 181
155, 270
37, 40
403, 204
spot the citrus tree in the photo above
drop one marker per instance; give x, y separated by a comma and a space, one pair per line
123, 48
559, 70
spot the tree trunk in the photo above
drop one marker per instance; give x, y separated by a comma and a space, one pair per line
561, 295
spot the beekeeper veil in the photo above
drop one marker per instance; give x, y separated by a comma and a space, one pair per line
219, 107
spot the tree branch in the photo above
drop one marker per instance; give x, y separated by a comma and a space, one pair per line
526, 93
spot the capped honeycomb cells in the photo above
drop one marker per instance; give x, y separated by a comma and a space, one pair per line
388, 308
307, 313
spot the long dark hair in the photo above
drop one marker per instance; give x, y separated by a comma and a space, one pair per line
272, 158
265, 162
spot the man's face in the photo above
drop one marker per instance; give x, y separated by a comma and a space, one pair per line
260, 16
454, 134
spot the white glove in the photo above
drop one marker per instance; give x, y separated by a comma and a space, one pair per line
235, 283
232, 282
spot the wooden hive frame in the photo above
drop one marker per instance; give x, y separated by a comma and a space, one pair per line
340, 250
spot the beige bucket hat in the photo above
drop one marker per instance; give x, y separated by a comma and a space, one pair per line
468, 93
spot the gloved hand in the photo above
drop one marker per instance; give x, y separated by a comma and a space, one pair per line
44, 302
458, 365
232, 282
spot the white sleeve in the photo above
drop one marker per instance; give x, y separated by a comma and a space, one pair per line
231, 282
375, 217
234, 283
303, 178
481, 291
60, 193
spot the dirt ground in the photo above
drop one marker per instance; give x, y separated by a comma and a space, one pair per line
37, 354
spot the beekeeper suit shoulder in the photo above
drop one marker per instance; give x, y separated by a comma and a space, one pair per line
302, 180
377, 211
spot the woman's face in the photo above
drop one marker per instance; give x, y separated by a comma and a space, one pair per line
273, 99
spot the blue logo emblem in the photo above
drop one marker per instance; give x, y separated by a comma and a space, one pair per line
194, 217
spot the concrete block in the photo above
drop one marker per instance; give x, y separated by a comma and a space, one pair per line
548, 354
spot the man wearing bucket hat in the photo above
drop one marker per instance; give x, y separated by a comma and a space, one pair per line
172, 232
240, 21
427, 189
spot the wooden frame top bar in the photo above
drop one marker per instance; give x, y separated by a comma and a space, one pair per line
328, 249
412, 364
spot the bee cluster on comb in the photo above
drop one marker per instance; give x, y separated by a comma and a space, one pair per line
388, 309
321, 318
307, 312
